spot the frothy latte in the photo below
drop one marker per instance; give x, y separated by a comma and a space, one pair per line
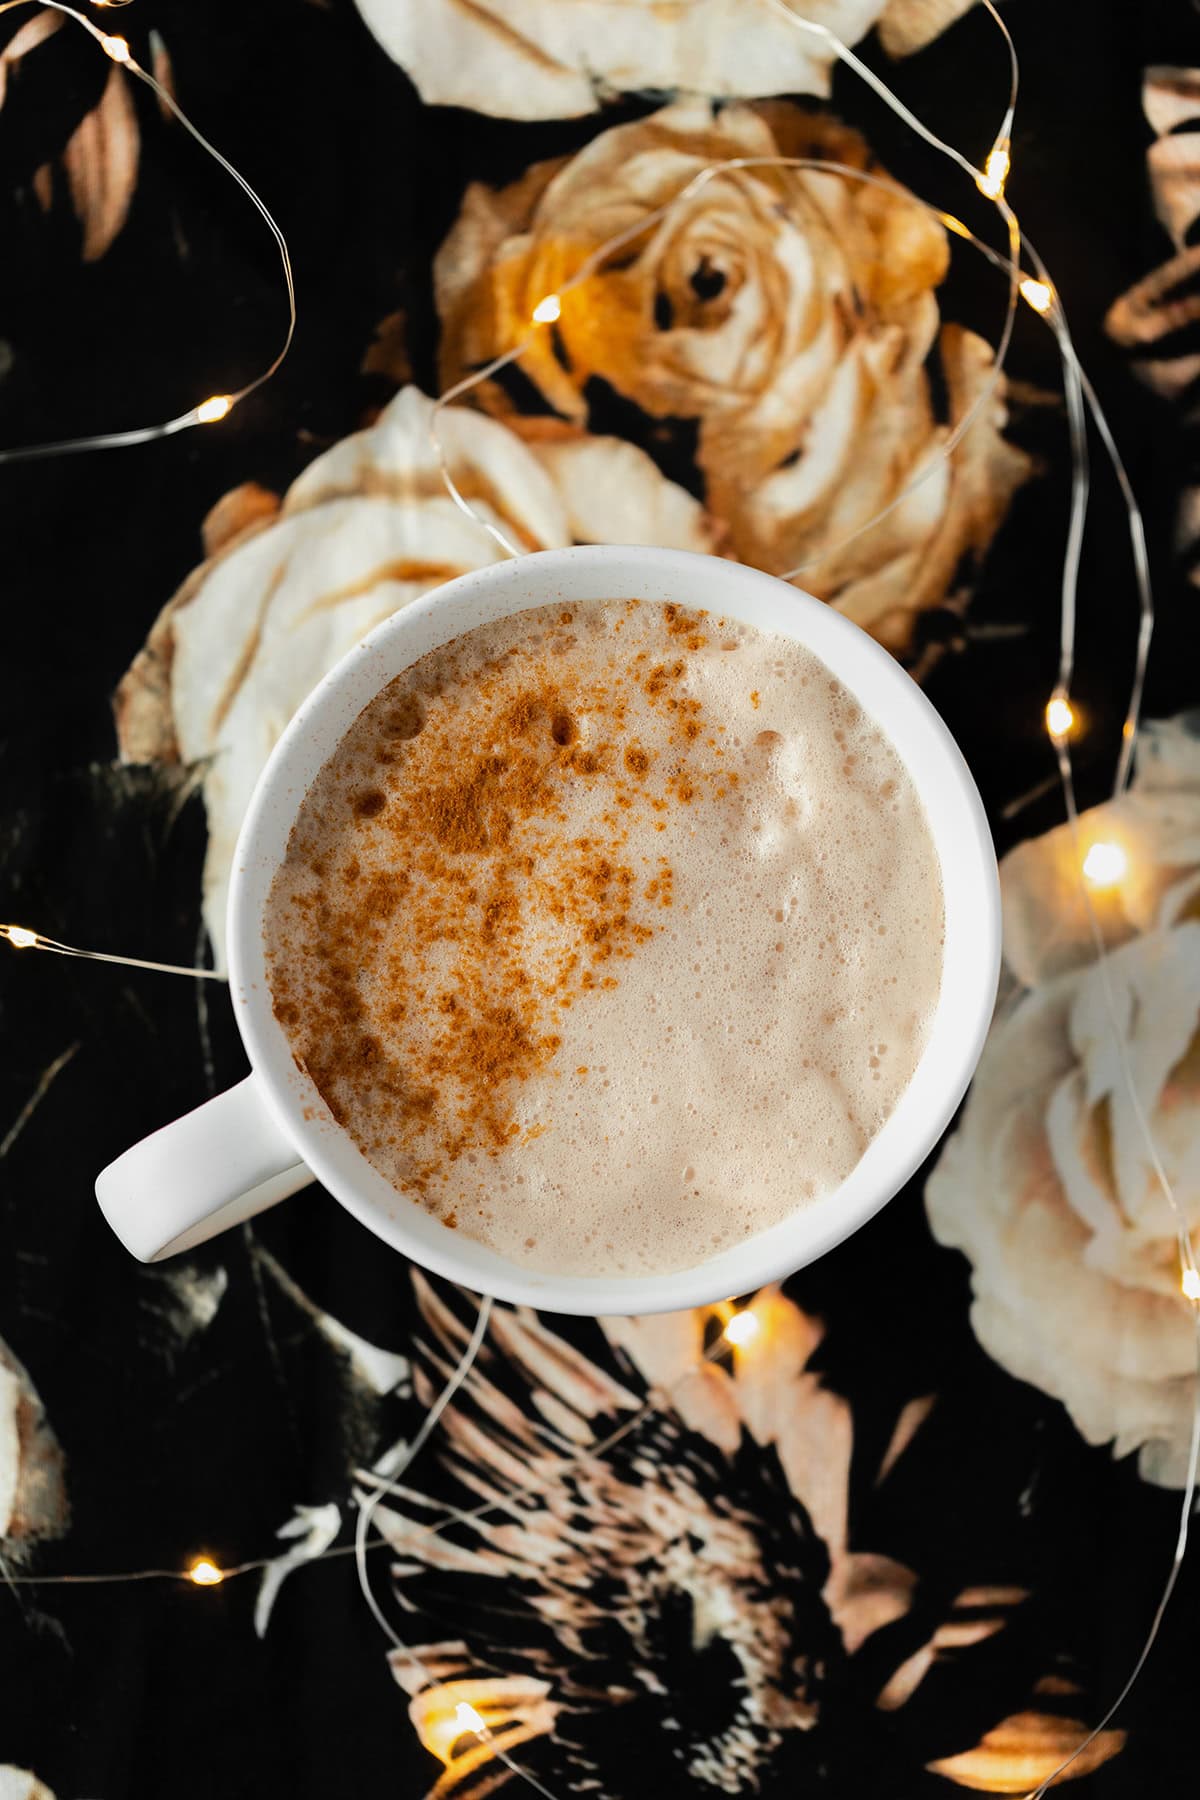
611, 933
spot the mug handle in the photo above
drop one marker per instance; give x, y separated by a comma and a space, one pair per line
216, 1166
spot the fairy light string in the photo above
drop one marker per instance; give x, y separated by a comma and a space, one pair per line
739, 1330
1037, 290
1099, 867
1189, 1276
1040, 294
471, 1721
990, 180
737, 1333
1102, 865
22, 937
218, 406
1079, 393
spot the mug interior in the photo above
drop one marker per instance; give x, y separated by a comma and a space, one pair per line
957, 824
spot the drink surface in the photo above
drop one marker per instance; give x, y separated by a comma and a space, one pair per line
611, 933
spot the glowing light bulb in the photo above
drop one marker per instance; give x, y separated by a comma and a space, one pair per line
955, 225
210, 411
469, 1719
1104, 865
1060, 717
19, 936
743, 1328
1191, 1284
116, 47
547, 310
995, 172
1039, 294
205, 1573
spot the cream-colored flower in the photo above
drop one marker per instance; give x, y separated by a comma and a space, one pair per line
785, 315
558, 59
289, 587
21, 1784
1048, 1185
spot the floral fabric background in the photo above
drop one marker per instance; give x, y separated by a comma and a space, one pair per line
909, 1541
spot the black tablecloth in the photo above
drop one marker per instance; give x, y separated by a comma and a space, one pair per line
196, 1409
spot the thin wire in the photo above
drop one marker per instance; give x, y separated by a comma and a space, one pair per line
439, 449
1081, 389
1135, 525
1141, 569
144, 434
844, 54
470, 1515
508, 1502
267, 217
250, 1567
1187, 1260
1004, 135
21, 938
452, 1516
1159, 1611
366, 1513
1080, 493
1102, 964
1078, 388
120, 1575
654, 1400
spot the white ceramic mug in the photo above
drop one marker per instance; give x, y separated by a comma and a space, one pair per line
266, 1138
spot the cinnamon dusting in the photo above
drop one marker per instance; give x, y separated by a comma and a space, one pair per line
486, 918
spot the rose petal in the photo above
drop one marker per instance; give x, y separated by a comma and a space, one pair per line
911, 1419
316, 1526
614, 494
1024, 1751
101, 165
909, 25
544, 59
21, 1784
1170, 98
1174, 165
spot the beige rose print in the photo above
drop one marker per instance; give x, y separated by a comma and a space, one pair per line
548, 59
1047, 1184
788, 313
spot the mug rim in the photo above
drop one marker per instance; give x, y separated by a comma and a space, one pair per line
957, 823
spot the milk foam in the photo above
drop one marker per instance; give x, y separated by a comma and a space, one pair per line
773, 960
